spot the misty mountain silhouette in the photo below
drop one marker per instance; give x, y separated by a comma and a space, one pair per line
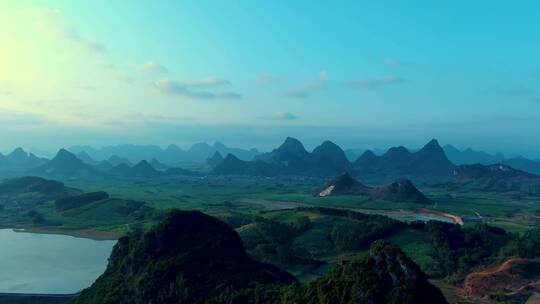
65, 164
142, 169
172, 155
86, 158
523, 163
214, 160
292, 158
497, 178
20, 160
328, 159
471, 157
231, 165
291, 155
428, 161
116, 160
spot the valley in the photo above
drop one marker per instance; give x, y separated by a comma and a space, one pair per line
269, 152
307, 223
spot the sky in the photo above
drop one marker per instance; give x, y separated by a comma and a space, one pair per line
364, 74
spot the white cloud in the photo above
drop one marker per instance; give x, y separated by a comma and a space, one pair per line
86, 44
170, 87
175, 88
368, 84
152, 67
229, 95
391, 62
307, 89
281, 116
125, 78
265, 79
207, 83
53, 22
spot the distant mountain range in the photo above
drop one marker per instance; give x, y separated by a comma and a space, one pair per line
470, 156
496, 178
65, 164
68, 165
292, 158
328, 159
399, 161
19, 160
171, 156
431, 163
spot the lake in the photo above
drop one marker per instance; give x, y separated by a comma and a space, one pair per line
49, 263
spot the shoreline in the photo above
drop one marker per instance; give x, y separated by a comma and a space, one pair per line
22, 298
48, 295
456, 219
92, 234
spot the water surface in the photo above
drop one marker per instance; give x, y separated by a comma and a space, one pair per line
47, 263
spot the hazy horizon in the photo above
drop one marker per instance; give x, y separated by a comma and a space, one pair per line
360, 74
309, 145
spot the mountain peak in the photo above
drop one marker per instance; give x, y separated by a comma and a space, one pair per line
67, 164
173, 148
292, 142
292, 146
231, 157
343, 184
64, 155
201, 145
143, 163
398, 150
18, 153
434, 142
18, 150
402, 190
215, 159
433, 145
328, 146
328, 143
143, 169
368, 161
219, 145
368, 157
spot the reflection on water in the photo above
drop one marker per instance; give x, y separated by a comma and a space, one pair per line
46, 263
426, 218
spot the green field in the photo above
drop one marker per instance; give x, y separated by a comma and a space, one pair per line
278, 219
217, 195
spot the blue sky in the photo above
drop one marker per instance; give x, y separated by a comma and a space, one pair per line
249, 73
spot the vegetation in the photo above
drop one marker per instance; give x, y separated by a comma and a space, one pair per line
188, 258
281, 222
386, 275
458, 249
77, 201
194, 258
528, 245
